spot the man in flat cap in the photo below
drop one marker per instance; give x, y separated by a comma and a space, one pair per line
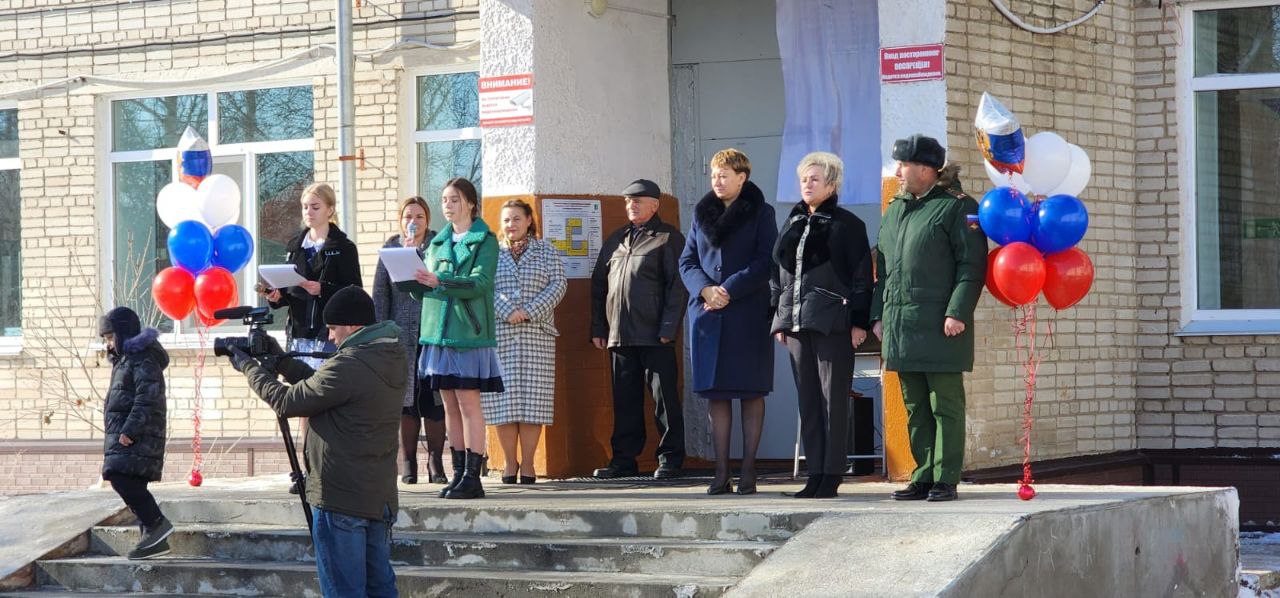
637, 302
930, 267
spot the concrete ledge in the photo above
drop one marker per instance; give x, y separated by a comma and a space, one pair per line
1070, 541
48, 526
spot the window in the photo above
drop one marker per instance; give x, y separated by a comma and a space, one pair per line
447, 133
1234, 134
10, 228
262, 138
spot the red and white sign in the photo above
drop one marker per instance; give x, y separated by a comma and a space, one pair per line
904, 64
506, 101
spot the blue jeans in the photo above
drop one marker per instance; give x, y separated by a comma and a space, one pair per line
353, 554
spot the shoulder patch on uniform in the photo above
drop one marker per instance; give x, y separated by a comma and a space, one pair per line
973, 223
958, 194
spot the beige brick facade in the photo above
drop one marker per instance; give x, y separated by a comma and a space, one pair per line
52, 389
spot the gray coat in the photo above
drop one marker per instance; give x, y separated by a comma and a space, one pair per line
390, 303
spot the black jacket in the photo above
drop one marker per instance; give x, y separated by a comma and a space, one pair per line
637, 296
335, 265
828, 288
135, 407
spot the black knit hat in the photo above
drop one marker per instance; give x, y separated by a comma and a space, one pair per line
921, 150
350, 306
122, 322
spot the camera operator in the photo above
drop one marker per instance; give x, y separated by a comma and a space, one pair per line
353, 401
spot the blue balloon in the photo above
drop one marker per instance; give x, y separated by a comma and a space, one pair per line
191, 246
1060, 222
232, 247
1005, 215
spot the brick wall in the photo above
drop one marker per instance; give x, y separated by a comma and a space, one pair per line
1080, 84
52, 390
1194, 392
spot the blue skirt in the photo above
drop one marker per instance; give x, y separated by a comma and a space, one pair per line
445, 368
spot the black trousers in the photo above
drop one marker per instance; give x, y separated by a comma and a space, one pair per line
823, 369
133, 491
633, 369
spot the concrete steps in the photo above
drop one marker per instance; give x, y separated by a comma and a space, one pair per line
260, 547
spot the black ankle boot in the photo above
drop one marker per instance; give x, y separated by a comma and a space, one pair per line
410, 476
827, 488
459, 466
810, 487
435, 468
470, 486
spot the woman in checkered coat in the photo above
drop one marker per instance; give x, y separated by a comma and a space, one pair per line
529, 284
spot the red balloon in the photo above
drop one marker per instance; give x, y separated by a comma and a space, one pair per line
174, 292
195, 479
215, 289
1019, 272
208, 322
1026, 492
991, 281
192, 180
1068, 277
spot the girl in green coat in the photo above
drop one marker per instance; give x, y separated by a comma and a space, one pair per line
457, 330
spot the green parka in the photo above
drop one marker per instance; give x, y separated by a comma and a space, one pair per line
931, 264
459, 312
354, 404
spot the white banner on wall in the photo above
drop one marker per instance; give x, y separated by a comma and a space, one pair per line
831, 75
574, 228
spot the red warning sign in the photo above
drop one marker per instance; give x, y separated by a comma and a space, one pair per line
506, 101
904, 64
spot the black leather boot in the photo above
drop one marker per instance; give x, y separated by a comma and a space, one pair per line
810, 487
827, 488
470, 486
913, 491
411, 474
459, 459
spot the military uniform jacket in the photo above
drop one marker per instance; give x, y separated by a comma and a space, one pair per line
931, 265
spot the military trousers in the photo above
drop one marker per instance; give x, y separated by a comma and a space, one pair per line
935, 424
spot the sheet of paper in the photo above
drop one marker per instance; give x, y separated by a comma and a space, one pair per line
280, 276
401, 262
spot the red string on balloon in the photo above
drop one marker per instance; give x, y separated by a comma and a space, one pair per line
197, 464
1025, 326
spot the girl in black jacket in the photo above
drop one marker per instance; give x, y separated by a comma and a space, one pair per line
328, 260
134, 426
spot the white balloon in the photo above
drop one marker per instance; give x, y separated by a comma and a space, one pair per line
177, 202
1001, 179
1077, 175
1048, 157
219, 199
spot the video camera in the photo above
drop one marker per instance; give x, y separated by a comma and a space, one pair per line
256, 342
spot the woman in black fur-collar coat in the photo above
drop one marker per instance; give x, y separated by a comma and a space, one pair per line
725, 265
821, 288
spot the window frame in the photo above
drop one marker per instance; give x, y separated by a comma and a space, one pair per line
1195, 321
182, 338
12, 345
416, 137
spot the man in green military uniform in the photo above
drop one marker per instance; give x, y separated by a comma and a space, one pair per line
930, 267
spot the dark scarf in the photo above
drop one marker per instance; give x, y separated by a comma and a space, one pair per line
816, 248
517, 248
717, 222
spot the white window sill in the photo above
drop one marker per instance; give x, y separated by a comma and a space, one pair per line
10, 345
187, 342
1241, 327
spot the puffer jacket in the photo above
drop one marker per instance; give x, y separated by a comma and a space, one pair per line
459, 313
637, 295
821, 278
135, 407
353, 402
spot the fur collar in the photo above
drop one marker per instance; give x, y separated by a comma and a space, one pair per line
717, 222
140, 341
817, 250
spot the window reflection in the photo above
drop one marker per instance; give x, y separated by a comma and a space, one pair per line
265, 114
152, 123
141, 248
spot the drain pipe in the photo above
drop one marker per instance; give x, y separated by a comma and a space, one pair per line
346, 119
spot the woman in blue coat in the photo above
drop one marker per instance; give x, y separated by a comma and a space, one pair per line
725, 266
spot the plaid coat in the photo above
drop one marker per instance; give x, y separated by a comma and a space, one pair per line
527, 350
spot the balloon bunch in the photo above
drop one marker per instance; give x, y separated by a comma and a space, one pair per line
205, 244
1033, 212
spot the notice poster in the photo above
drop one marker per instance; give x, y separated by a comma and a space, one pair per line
506, 101
574, 228
905, 64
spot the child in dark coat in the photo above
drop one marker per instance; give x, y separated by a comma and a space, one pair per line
133, 451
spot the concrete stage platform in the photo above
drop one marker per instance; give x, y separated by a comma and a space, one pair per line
655, 540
